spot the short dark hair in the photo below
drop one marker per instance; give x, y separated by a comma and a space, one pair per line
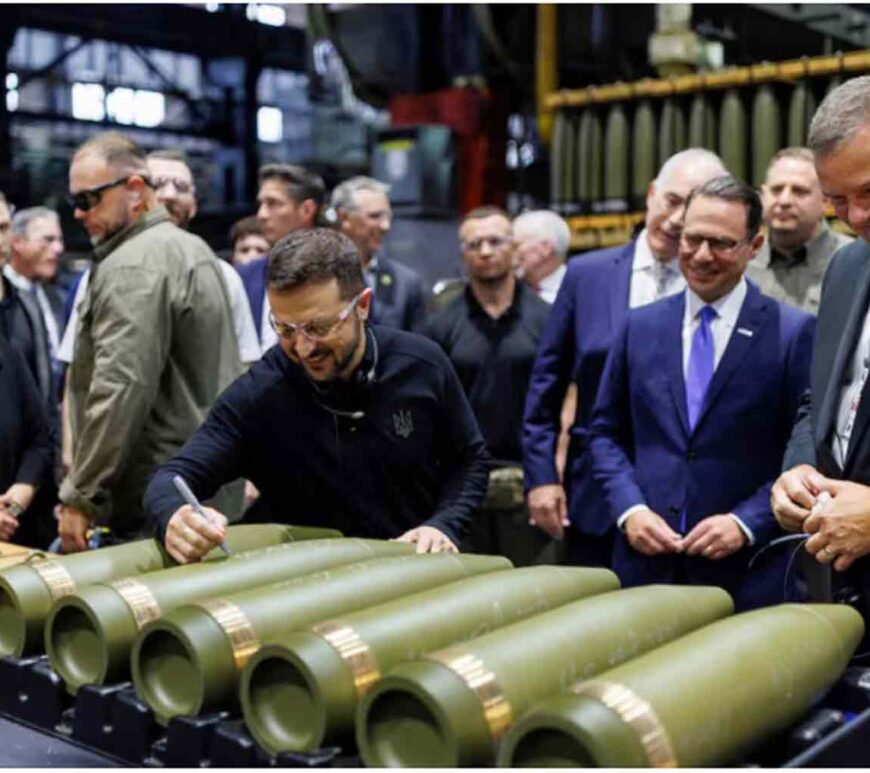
299, 182
247, 226
729, 188
487, 210
315, 255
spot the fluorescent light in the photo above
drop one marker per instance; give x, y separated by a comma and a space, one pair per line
270, 124
88, 101
273, 15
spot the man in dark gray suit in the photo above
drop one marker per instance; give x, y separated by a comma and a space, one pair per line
825, 490
364, 214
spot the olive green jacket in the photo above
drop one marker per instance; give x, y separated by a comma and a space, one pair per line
154, 348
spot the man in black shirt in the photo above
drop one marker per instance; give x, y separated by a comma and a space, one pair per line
360, 428
490, 333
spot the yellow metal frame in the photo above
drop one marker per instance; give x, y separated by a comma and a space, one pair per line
765, 72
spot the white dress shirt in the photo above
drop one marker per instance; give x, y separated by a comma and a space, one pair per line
850, 396
243, 322
26, 285
648, 273
549, 286
721, 327
268, 336
68, 342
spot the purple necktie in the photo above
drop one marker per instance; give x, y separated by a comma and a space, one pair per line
701, 359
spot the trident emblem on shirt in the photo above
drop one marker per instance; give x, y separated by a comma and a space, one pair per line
403, 424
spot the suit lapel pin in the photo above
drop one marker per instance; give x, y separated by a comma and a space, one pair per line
745, 331
386, 280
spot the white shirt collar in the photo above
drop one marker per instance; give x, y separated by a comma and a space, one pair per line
727, 307
19, 280
549, 285
645, 260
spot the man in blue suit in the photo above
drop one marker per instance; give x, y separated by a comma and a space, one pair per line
289, 199
695, 408
364, 214
596, 294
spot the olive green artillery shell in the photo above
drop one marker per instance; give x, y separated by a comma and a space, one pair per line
191, 660
733, 133
583, 164
303, 689
561, 129
593, 155
766, 131
801, 108
569, 162
88, 634
27, 591
617, 145
702, 123
703, 700
450, 708
672, 130
643, 154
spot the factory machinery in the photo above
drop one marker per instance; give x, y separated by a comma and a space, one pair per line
305, 648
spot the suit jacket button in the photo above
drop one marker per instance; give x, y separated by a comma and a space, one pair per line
674, 509
690, 456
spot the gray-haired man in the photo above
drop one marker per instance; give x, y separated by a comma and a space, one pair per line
35, 246
542, 239
364, 214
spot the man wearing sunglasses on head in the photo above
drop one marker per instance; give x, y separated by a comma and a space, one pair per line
154, 346
694, 410
356, 427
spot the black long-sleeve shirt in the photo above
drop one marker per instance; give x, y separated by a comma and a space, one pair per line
416, 456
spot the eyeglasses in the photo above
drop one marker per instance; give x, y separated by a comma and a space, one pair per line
721, 247
181, 185
88, 199
315, 330
495, 242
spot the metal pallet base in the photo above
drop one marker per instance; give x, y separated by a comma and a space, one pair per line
112, 725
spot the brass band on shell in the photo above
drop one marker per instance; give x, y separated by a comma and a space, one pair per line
55, 576
139, 598
235, 624
496, 708
353, 651
637, 714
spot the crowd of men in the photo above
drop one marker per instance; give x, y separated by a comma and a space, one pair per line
635, 406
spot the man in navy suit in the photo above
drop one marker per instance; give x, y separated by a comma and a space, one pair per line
365, 216
825, 490
594, 297
289, 199
695, 408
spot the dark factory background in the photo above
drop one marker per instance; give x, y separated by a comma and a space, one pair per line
454, 105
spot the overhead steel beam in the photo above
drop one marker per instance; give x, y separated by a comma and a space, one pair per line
170, 27
842, 23
25, 78
168, 83
108, 123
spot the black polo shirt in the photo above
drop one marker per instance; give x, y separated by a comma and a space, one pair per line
372, 458
493, 358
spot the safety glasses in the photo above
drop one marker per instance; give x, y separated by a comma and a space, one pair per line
88, 199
